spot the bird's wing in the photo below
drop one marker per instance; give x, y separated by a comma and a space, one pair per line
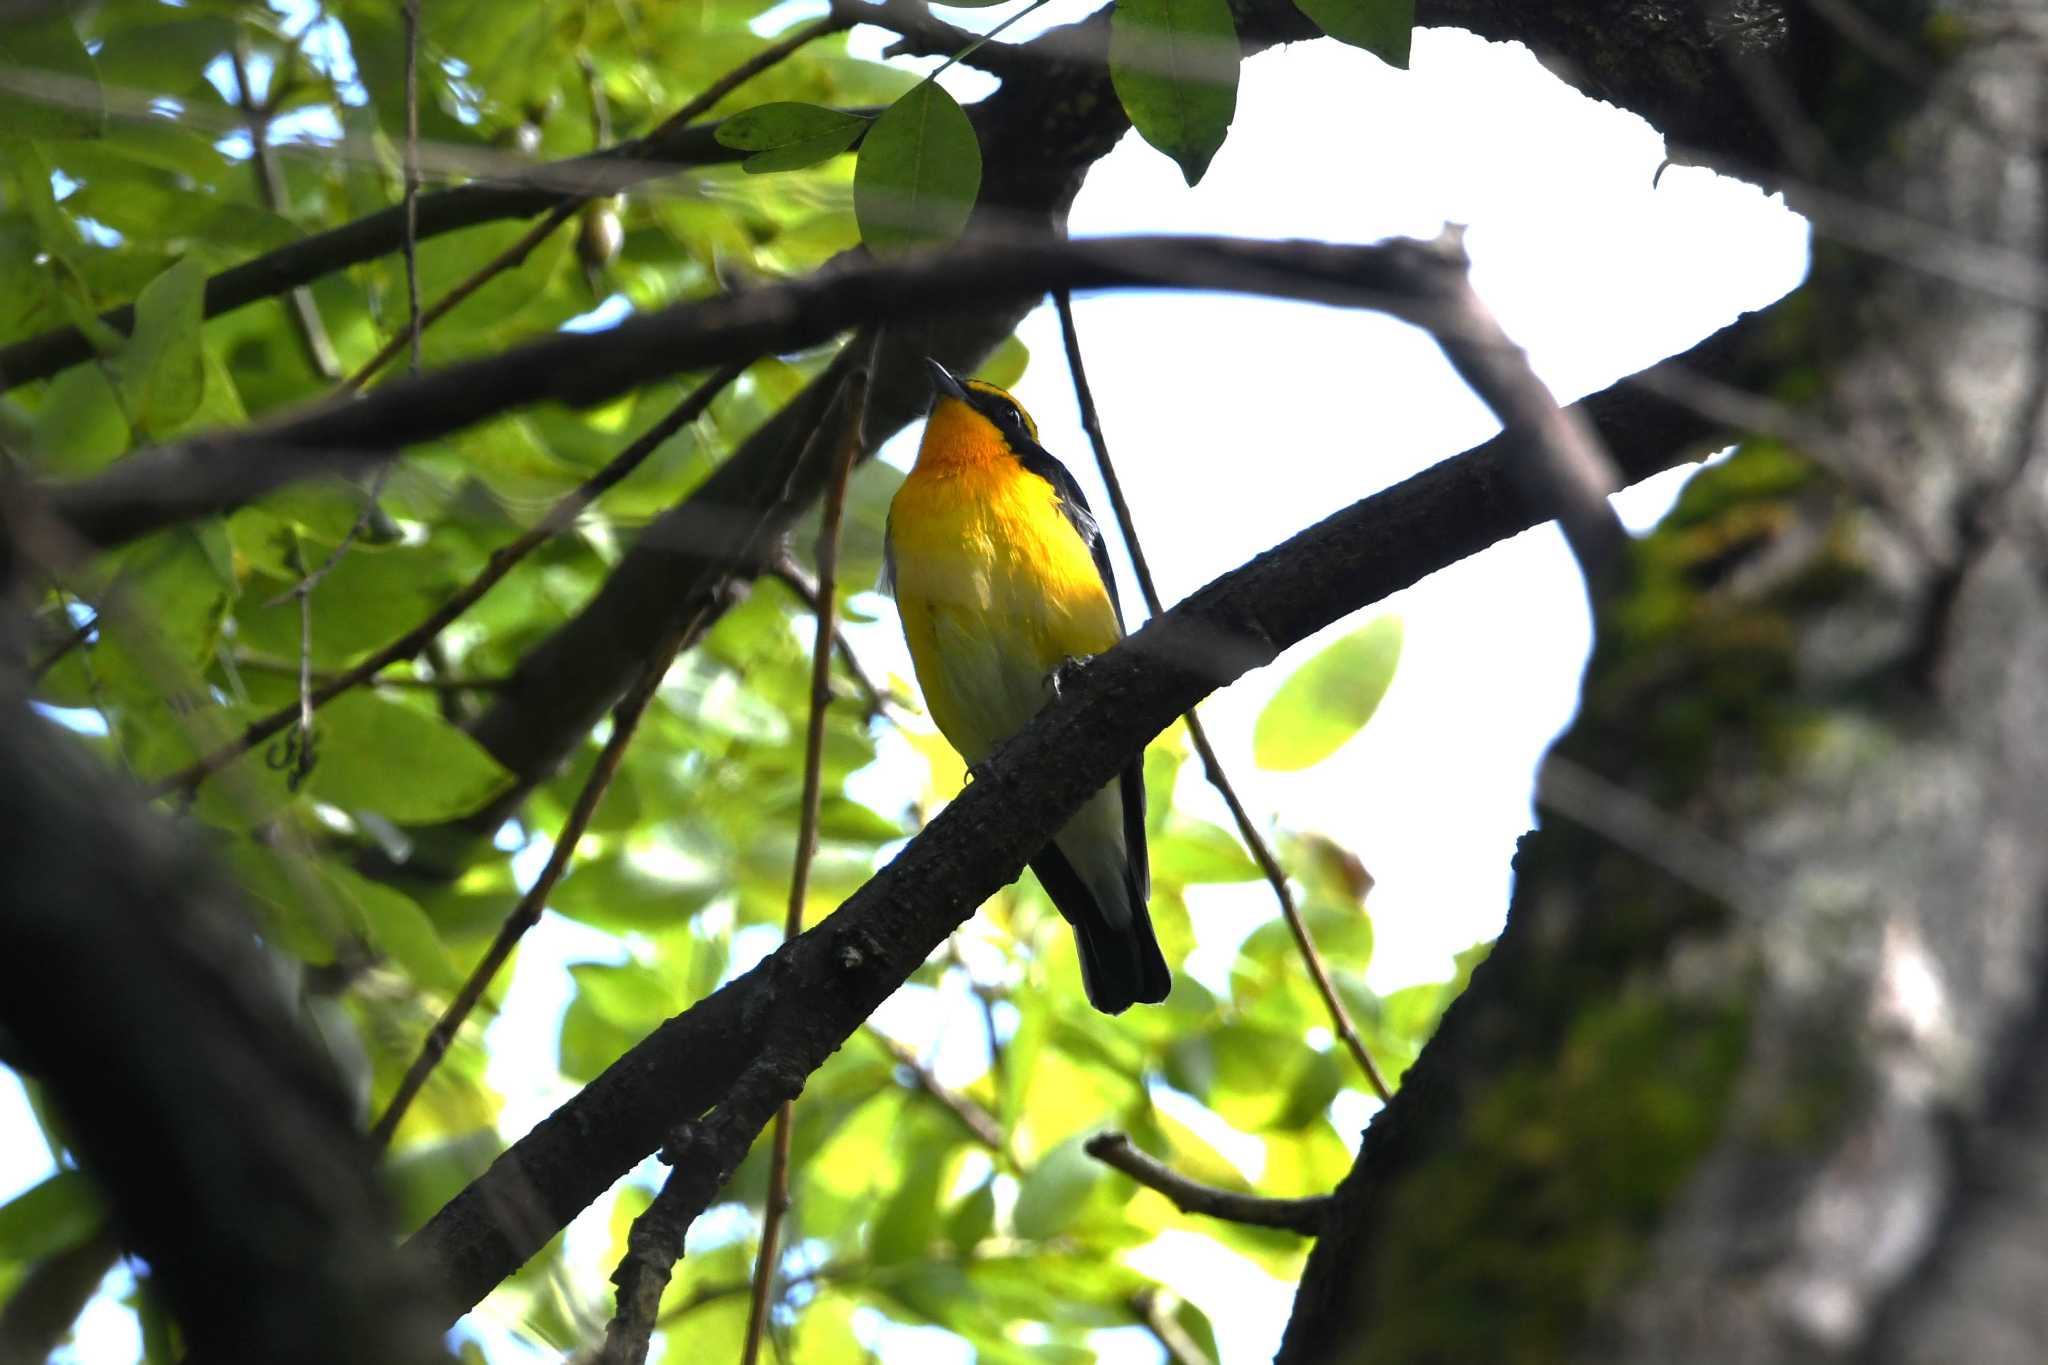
1131, 781
1040, 461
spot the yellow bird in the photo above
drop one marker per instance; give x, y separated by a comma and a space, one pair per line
1001, 576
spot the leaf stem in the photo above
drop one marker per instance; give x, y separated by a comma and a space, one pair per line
968, 51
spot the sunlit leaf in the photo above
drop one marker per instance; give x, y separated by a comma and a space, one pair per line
1005, 365
1328, 699
382, 755
918, 173
1054, 1190
1174, 64
45, 1218
618, 894
394, 924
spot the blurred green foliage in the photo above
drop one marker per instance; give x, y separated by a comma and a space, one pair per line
134, 181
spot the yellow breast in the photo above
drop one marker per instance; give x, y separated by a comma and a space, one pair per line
996, 589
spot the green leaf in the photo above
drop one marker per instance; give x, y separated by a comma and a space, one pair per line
972, 1219
1328, 699
62, 1211
59, 86
80, 430
164, 59
788, 136
1054, 1191
415, 768
394, 923
1195, 852
298, 910
619, 895
909, 1222
162, 373
918, 173
1005, 365
1174, 65
1381, 27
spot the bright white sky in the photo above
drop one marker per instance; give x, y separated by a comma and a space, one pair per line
1237, 422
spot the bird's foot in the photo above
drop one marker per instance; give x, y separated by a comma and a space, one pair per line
1063, 676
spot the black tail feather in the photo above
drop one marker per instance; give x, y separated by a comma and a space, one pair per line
1120, 967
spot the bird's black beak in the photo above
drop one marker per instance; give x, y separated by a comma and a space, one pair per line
943, 381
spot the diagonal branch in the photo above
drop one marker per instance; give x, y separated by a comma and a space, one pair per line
803, 1001
625, 721
154, 488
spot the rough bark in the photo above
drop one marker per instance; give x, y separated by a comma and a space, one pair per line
1752, 1074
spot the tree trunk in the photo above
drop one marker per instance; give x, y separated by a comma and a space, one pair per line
1752, 1073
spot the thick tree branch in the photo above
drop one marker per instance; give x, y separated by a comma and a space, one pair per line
1670, 65
130, 980
801, 1003
1304, 1216
160, 487
702, 1155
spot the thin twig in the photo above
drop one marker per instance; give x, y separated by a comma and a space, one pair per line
977, 1120
409, 249
409, 246
502, 562
777, 1206
702, 1156
1305, 1216
80, 633
297, 756
771, 55
1568, 473
1212, 766
625, 719
512, 256
508, 259
303, 311
985, 994
728, 1289
250, 663
1155, 1307
874, 697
